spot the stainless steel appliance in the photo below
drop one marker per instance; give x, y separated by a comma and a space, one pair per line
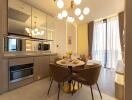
20, 72
43, 47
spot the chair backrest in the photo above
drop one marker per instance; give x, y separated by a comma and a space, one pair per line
60, 73
90, 74
83, 58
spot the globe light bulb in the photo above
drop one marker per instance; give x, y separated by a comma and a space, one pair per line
86, 11
70, 19
36, 30
64, 13
77, 2
81, 17
27, 30
60, 4
60, 16
42, 32
77, 11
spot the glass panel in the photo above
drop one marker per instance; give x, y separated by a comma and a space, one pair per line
38, 24
19, 17
50, 31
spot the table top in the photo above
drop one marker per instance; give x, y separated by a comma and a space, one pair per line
73, 63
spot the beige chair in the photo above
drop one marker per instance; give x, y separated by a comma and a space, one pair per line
60, 74
88, 76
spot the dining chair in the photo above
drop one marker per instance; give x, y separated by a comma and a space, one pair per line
54, 62
88, 76
60, 74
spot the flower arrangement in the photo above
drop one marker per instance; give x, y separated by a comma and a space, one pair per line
69, 53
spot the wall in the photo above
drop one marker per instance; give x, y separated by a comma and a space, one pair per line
128, 55
82, 39
60, 37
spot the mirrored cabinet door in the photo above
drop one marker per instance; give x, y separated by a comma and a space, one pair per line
19, 17
38, 24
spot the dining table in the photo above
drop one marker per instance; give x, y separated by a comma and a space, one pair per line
71, 63
68, 87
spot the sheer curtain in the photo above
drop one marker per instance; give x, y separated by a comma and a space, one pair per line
106, 42
99, 44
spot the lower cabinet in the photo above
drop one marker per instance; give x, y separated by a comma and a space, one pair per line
41, 67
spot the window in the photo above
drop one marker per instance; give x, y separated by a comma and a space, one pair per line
106, 42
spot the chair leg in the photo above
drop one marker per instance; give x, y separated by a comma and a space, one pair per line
74, 86
58, 90
99, 90
92, 92
50, 85
81, 84
78, 85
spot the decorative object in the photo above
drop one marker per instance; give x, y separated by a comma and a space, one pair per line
73, 11
69, 53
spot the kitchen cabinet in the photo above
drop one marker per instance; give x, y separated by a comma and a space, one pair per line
52, 58
19, 17
41, 67
3, 17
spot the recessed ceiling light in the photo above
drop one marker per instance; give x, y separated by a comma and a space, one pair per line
86, 11
60, 4
60, 16
77, 2
77, 11
64, 13
81, 17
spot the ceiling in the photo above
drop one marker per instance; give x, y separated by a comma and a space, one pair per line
99, 8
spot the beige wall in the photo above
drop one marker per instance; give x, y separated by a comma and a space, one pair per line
82, 39
128, 62
60, 37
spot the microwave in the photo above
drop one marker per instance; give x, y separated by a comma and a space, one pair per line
43, 47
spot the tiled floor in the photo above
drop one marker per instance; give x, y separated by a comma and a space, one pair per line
38, 91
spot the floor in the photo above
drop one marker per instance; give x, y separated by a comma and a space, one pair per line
38, 91
106, 82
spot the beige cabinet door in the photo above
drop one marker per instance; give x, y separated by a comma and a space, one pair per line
41, 67
52, 58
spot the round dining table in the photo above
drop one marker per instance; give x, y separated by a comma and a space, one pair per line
68, 88
73, 63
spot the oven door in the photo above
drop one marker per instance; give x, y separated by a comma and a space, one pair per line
17, 75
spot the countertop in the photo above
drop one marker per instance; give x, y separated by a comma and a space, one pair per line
25, 54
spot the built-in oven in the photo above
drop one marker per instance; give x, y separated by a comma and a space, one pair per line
20, 72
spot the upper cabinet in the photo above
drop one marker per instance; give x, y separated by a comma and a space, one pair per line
3, 17
39, 24
19, 17
50, 27
24, 19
